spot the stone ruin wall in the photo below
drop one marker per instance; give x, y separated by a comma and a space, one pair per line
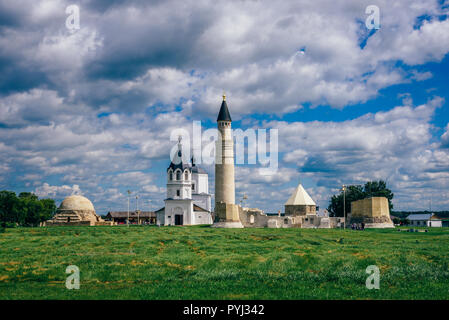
226, 212
77, 218
255, 218
374, 212
299, 210
370, 207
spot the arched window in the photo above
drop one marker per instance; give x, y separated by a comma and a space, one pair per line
186, 176
171, 176
178, 175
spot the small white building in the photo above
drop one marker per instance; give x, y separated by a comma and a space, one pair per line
188, 200
425, 220
200, 188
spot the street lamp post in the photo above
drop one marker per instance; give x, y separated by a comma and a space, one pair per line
242, 201
137, 209
344, 206
129, 193
149, 207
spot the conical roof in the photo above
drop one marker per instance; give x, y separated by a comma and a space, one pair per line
300, 197
224, 115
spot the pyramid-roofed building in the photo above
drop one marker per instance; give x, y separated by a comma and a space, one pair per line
300, 197
300, 203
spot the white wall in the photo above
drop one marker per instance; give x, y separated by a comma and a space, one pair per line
160, 218
201, 182
202, 218
172, 207
184, 186
435, 223
419, 223
202, 200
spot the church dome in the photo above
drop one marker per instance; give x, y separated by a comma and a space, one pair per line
76, 202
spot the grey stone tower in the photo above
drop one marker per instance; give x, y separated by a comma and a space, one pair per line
227, 213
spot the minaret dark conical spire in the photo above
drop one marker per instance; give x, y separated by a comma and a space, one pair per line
224, 115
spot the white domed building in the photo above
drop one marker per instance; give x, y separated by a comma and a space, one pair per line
76, 210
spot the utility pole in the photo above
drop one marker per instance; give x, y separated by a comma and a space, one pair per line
242, 201
344, 206
129, 194
137, 209
149, 211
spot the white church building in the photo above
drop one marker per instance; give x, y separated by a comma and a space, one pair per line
188, 199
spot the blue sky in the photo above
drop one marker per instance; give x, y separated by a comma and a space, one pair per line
90, 111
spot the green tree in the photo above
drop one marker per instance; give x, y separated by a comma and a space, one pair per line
9, 213
49, 209
357, 192
24, 210
379, 189
28, 195
352, 193
31, 207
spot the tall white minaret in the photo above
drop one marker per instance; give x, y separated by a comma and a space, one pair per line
224, 161
227, 213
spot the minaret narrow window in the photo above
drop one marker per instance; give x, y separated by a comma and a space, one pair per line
178, 175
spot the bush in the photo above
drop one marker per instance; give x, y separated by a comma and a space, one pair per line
5, 225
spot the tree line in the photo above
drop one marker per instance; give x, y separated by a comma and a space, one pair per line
26, 209
358, 192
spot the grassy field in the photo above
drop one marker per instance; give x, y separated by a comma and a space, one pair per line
206, 263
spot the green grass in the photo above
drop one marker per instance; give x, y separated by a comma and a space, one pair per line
207, 263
